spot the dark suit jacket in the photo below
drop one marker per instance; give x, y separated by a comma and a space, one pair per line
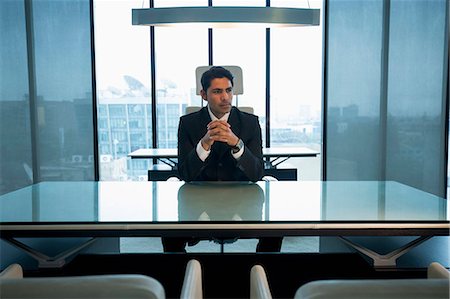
220, 164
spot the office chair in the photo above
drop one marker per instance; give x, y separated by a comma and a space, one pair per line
435, 286
13, 285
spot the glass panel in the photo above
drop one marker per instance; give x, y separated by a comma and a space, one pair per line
245, 47
176, 77
296, 89
64, 89
353, 90
123, 88
179, 51
416, 119
15, 138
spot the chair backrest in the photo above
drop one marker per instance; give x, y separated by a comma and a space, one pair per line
435, 286
132, 286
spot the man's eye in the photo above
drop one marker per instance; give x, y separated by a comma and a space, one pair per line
229, 90
216, 91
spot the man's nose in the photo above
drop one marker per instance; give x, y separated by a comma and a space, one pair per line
226, 96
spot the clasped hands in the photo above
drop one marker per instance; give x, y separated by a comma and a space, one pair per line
218, 130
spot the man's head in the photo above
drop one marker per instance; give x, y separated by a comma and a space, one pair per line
213, 73
217, 90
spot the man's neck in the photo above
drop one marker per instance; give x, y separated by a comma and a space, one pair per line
213, 116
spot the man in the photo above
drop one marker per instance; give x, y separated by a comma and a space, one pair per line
219, 143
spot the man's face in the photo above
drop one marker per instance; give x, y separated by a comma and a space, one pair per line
219, 96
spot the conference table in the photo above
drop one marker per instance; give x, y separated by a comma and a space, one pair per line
221, 210
273, 157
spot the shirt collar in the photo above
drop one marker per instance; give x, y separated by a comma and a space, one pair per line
213, 117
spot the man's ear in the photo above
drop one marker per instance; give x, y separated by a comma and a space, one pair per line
203, 94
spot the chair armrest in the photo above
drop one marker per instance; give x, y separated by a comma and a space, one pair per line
436, 270
192, 284
259, 286
12, 271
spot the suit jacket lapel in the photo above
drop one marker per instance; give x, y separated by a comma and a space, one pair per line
235, 121
202, 123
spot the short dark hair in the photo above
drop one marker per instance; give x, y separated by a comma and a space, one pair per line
213, 73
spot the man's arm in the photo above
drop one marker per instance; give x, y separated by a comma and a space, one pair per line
189, 164
251, 162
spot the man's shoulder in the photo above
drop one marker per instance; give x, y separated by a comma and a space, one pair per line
245, 115
192, 117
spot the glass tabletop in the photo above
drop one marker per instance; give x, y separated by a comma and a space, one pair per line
273, 202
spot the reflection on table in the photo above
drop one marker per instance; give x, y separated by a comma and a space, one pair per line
152, 203
220, 202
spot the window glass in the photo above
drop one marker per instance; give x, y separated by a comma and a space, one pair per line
123, 87
179, 51
296, 88
15, 136
62, 50
353, 90
416, 88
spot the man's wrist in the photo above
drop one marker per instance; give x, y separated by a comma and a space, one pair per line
239, 145
205, 146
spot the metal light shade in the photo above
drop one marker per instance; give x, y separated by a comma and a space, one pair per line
218, 17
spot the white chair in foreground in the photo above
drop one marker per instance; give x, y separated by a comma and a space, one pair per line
435, 286
192, 284
130, 286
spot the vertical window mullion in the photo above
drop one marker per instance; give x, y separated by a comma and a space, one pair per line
94, 95
267, 83
153, 83
35, 152
384, 73
210, 44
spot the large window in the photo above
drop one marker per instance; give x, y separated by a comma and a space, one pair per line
296, 89
387, 86
385, 91
15, 140
123, 88
353, 86
177, 53
45, 92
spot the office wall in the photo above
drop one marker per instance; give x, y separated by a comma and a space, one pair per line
386, 92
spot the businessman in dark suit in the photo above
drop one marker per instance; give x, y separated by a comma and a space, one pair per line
220, 143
